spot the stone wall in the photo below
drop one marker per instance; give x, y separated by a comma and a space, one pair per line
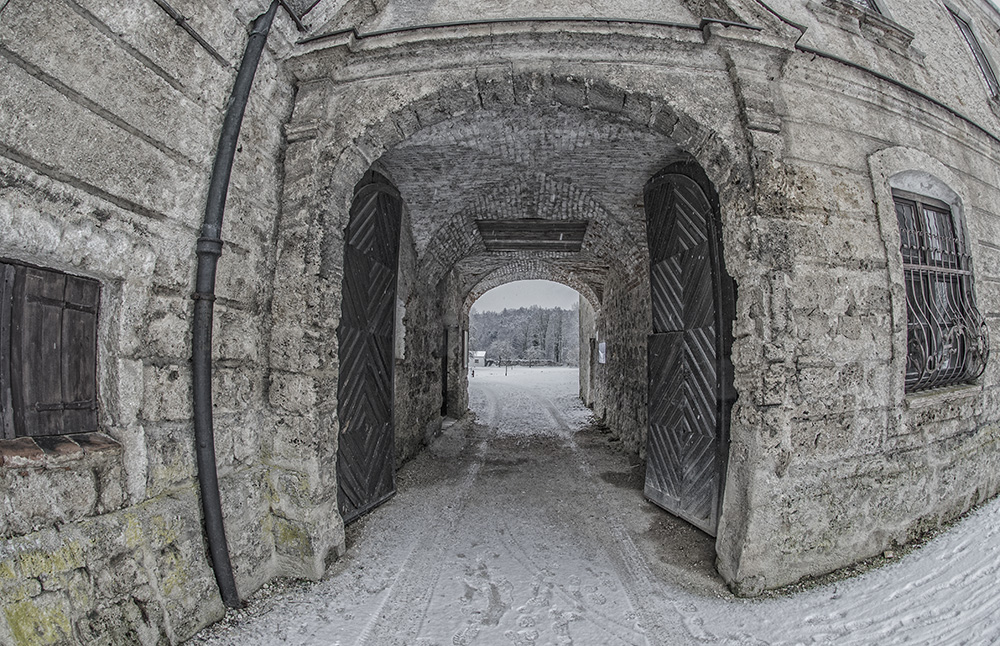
818, 336
429, 12
110, 124
914, 41
844, 464
620, 387
418, 371
588, 353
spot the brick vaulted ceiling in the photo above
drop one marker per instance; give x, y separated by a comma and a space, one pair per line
535, 164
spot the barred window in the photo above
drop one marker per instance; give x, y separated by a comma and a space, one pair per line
946, 337
978, 52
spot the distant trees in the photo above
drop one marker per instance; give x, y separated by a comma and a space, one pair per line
527, 333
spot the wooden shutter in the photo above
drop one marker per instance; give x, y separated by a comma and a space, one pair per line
6, 305
53, 352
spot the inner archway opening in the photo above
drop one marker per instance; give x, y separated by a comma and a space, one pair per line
524, 354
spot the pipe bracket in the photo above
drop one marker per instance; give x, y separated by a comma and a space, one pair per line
211, 246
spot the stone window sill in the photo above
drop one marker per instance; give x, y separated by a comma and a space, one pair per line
940, 396
49, 481
54, 450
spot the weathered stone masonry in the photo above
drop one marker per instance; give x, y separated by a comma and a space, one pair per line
109, 122
803, 115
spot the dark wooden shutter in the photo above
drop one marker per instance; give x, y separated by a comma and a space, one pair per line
6, 307
53, 352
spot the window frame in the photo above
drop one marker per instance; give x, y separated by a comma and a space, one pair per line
987, 69
946, 339
869, 5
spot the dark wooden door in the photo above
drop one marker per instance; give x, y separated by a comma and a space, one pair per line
444, 373
366, 473
690, 375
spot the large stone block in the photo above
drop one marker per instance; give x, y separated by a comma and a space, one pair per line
166, 392
90, 59
247, 497
292, 392
170, 457
132, 171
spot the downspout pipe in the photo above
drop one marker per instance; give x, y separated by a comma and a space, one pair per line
209, 248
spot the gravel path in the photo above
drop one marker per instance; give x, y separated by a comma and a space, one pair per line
529, 527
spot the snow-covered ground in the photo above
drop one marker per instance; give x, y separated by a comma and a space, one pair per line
530, 528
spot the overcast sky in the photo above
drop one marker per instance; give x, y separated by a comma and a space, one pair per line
525, 293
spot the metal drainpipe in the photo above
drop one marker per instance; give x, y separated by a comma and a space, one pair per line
209, 249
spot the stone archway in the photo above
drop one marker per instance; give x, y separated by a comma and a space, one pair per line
531, 270
587, 315
425, 140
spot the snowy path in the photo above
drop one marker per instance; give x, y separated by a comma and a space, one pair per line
527, 528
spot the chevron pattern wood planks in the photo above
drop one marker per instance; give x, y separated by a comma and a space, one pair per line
683, 465
365, 455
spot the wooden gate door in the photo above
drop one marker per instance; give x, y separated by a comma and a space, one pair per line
366, 473
690, 373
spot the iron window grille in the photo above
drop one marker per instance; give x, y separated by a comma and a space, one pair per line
979, 53
946, 337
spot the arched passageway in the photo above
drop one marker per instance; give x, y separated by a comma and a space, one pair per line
511, 189
522, 330
493, 197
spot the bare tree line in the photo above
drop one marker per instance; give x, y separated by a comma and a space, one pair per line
533, 334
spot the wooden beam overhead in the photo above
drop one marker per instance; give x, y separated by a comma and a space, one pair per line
533, 235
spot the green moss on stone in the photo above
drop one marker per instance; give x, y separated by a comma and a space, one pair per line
133, 532
33, 623
41, 562
291, 539
7, 571
19, 590
176, 577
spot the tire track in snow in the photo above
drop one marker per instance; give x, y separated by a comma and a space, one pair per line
492, 404
419, 573
612, 626
637, 579
616, 629
640, 583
